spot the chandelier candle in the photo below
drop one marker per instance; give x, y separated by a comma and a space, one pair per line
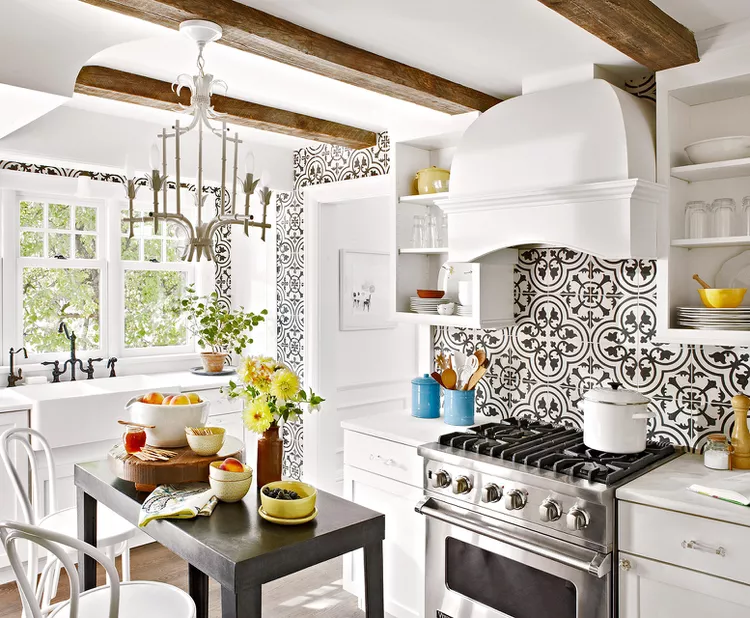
199, 235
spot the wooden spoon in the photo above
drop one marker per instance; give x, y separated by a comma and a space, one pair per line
474, 380
131, 424
449, 378
703, 283
436, 376
481, 355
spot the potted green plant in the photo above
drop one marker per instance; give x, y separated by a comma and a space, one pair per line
219, 330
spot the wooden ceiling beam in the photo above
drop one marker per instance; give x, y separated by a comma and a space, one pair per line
130, 88
637, 28
259, 33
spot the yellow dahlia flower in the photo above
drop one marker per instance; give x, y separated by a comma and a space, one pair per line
284, 385
257, 415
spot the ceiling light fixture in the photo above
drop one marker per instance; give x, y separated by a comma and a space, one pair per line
198, 238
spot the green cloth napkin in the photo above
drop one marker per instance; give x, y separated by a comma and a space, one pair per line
183, 501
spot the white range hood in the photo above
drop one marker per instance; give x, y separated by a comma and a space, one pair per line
573, 166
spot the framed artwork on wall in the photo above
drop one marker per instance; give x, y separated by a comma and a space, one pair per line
363, 290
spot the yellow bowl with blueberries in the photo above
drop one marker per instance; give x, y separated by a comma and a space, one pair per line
291, 508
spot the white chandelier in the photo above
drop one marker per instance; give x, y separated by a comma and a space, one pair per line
199, 237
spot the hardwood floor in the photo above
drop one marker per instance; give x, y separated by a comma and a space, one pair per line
314, 592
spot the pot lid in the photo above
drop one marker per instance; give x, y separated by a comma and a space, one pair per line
425, 380
433, 168
614, 394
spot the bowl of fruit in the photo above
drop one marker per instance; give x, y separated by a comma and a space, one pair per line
230, 479
288, 499
170, 413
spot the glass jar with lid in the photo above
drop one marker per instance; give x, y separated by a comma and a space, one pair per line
696, 219
723, 210
717, 454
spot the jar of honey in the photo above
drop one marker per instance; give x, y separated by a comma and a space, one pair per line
134, 439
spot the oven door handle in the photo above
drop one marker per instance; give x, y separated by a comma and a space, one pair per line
599, 565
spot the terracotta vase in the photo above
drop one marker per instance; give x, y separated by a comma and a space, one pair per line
213, 362
270, 454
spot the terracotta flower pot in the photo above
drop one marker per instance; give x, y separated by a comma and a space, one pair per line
213, 362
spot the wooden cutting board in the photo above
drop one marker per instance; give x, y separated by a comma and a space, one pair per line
186, 467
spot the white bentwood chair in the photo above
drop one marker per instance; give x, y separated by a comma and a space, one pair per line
113, 532
114, 600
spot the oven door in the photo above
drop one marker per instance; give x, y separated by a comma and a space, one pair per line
479, 567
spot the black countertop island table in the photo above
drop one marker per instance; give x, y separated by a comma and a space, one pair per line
235, 546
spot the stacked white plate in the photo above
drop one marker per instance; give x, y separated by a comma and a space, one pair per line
703, 318
464, 310
427, 305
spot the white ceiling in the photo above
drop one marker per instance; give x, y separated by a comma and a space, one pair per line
490, 45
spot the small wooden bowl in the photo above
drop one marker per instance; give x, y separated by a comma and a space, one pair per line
430, 293
290, 509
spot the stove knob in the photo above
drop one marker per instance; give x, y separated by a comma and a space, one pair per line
441, 479
461, 485
577, 518
491, 493
515, 499
550, 510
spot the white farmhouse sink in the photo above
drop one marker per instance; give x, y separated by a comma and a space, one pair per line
72, 413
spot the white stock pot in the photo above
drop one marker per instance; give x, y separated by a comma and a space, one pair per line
615, 419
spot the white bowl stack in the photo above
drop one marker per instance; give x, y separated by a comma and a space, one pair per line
427, 305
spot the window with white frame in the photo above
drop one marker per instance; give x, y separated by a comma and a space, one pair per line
75, 264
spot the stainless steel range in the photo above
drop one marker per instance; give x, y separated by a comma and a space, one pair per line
521, 521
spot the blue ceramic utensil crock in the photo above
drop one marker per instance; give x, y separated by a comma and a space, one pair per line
425, 397
458, 407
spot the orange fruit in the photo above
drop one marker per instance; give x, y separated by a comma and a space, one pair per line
180, 400
194, 398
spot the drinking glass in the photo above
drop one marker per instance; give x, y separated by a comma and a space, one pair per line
443, 239
723, 214
418, 232
430, 237
696, 220
746, 215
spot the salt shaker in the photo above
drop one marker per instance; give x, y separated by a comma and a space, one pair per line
717, 452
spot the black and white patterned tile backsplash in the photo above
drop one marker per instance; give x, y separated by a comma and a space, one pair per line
312, 166
582, 322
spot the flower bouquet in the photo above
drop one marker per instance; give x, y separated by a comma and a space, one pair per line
272, 394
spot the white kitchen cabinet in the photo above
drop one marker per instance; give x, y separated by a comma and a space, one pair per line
649, 589
9, 507
404, 546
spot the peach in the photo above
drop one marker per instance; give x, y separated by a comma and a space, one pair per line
167, 400
194, 398
154, 398
230, 464
180, 400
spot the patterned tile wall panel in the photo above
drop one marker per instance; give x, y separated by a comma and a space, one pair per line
582, 322
222, 241
312, 166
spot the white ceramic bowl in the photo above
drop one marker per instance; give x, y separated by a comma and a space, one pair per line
719, 149
170, 421
446, 308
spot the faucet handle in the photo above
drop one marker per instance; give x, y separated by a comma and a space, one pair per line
111, 366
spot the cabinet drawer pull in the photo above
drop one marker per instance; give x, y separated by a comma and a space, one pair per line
383, 460
719, 551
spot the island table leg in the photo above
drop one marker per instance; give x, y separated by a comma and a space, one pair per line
198, 590
86, 512
374, 580
244, 603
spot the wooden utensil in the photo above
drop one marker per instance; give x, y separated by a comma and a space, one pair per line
481, 355
131, 424
449, 378
702, 283
436, 376
474, 380
740, 433
441, 362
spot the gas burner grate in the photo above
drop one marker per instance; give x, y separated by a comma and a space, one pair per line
556, 448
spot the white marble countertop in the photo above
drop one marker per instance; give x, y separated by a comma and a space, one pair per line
666, 487
190, 381
402, 427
